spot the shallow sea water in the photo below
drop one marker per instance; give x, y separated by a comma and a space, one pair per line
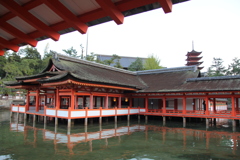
121, 141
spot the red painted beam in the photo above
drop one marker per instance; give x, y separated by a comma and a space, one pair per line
29, 18
111, 10
2, 52
166, 5
8, 44
67, 15
17, 33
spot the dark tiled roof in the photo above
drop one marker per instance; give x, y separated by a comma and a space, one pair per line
95, 72
167, 81
39, 75
229, 83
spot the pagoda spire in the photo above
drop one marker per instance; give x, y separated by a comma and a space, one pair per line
193, 58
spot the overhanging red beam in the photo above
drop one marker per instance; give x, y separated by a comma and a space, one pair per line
166, 5
17, 33
67, 15
9, 44
29, 18
111, 10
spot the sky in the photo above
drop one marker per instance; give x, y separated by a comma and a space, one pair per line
213, 26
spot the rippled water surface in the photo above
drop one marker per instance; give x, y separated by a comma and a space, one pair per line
121, 141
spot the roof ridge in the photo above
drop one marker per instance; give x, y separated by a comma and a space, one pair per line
120, 56
72, 59
165, 70
213, 78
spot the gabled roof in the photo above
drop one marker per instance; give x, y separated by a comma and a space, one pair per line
83, 70
222, 83
168, 80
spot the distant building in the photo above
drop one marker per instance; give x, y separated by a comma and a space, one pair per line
124, 61
193, 59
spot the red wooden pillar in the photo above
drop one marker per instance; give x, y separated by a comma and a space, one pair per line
233, 106
207, 106
37, 100
194, 104
214, 105
27, 101
146, 104
164, 104
175, 104
184, 105
131, 102
119, 102
57, 99
91, 102
237, 109
106, 102
72, 103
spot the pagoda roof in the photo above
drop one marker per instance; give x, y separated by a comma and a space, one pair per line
189, 63
193, 52
193, 58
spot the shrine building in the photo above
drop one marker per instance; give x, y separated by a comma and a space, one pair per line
71, 88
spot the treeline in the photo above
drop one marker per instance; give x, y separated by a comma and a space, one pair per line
218, 69
28, 61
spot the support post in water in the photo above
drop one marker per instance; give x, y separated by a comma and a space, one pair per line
34, 120
146, 119
207, 123
234, 125
86, 122
184, 122
69, 123
56, 121
17, 116
164, 120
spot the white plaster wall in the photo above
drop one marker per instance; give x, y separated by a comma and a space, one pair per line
62, 113
142, 110
21, 109
50, 112
125, 111
94, 113
133, 111
14, 108
108, 112
78, 113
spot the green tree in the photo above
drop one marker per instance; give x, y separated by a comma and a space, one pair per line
234, 68
71, 52
152, 62
137, 65
91, 57
3, 62
217, 68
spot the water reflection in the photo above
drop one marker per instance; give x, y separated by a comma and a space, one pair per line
123, 140
187, 140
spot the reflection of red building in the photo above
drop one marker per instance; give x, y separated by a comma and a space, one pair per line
193, 59
72, 88
186, 137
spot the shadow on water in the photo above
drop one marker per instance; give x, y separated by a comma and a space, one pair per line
132, 140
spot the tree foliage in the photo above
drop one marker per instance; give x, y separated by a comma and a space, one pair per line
234, 67
152, 62
217, 68
137, 65
71, 52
